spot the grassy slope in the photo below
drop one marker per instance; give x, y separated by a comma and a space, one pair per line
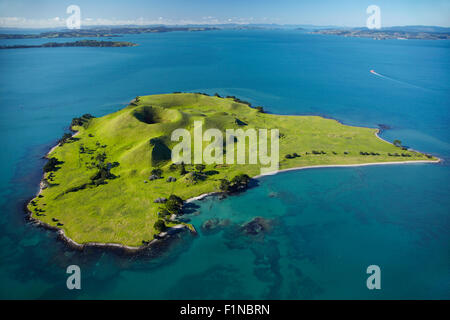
122, 211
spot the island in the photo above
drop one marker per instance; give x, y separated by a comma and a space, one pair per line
102, 32
113, 182
399, 33
82, 43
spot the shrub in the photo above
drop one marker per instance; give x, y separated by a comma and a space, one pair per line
157, 172
160, 225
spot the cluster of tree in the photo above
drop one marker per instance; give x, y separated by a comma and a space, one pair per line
51, 164
236, 99
173, 205
178, 166
81, 121
67, 137
260, 109
160, 225
292, 156
399, 155
237, 184
101, 175
369, 153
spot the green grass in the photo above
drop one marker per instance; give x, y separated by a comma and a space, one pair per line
122, 211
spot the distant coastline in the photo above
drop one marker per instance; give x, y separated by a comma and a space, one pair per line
384, 34
101, 32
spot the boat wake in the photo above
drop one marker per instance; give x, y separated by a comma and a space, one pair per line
395, 80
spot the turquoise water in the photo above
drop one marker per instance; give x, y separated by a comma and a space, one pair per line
328, 224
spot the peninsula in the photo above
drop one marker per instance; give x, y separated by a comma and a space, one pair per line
113, 182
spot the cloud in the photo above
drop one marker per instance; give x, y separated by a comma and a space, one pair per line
20, 22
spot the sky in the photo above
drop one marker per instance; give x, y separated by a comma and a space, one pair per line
349, 13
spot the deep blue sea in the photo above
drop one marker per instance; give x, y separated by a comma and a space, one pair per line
329, 224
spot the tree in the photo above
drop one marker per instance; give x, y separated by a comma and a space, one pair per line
182, 169
174, 204
397, 143
160, 226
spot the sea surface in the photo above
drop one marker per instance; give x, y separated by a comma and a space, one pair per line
327, 225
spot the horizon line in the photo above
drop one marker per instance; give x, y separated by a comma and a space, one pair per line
219, 24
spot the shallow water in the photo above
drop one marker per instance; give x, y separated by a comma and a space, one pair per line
328, 225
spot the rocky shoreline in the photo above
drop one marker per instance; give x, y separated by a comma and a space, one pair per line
123, 248
180, 227
80, 246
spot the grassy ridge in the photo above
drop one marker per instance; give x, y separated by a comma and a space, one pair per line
122, 210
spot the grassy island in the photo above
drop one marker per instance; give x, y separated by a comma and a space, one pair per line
114, 182
81, 43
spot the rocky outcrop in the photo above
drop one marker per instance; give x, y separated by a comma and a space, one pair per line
256, 226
